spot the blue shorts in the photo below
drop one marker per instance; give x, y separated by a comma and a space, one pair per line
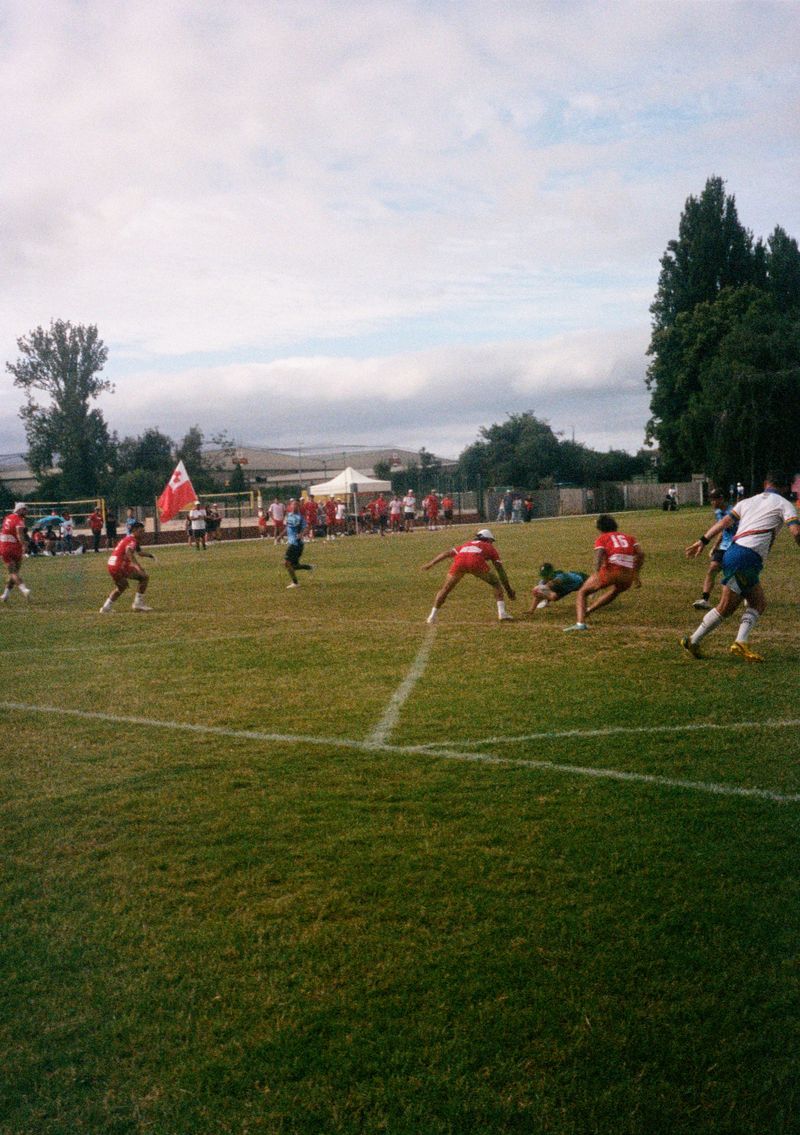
741, 568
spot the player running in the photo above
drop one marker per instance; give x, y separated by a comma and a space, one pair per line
723, 542
760, 519
479, 558
618, 559
295, 525
123, 565
554, 585
12, 549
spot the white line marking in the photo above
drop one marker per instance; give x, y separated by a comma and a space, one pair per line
616, 730
399, 697
411, 750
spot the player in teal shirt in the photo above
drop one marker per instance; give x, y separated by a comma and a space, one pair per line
554, 585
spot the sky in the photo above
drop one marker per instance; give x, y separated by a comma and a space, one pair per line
322, 222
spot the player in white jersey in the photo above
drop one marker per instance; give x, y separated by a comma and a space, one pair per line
760, 519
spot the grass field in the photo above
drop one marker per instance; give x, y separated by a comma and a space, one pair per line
292, 861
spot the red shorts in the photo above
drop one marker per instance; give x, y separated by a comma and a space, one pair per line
474, 565
11, 554
619, 577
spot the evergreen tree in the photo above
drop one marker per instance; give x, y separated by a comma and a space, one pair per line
724, 313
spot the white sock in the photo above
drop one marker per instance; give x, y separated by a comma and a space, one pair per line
709, 623
501, 607
433, 614
749, 620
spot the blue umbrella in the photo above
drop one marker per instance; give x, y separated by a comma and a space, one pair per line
43, 523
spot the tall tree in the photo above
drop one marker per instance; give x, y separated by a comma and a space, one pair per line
64, 363
783, 270
713, 253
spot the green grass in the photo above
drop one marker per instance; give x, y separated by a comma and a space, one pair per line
213, 932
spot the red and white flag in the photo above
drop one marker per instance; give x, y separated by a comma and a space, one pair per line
178, 493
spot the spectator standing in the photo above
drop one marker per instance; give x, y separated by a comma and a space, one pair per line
409, 510
447, 510
330, 518
395, 512
67, 533
277, 513
197, 522
95, 521
111, 529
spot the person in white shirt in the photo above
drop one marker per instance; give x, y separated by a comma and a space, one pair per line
409, 510
759, 519
197, 524
277, 512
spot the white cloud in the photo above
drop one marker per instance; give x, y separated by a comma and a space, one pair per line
312, 180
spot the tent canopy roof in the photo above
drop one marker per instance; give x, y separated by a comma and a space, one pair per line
350, 481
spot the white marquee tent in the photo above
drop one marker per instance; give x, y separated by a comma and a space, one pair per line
349, 483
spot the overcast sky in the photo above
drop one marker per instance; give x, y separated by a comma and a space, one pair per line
329, 222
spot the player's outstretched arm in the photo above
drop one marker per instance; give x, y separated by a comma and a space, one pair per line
448, 555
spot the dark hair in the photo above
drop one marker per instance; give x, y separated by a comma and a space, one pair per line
136, 524
606, 523
716, 495
546, 570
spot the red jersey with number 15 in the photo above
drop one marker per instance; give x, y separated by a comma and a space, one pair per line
621, 550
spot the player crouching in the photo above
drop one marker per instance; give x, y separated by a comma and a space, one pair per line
479, 558
123, 565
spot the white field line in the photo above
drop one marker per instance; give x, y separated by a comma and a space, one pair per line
399, 697
616, 730
410, 750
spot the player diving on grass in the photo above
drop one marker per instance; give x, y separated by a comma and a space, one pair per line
760, 519
554, 585
479, 558
123, 565
618, 559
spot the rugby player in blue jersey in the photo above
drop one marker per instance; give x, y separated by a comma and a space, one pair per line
720, 547
294, 542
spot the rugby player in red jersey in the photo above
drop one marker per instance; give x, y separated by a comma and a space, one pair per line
618, 559
480, 558
123, 565
12, 549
